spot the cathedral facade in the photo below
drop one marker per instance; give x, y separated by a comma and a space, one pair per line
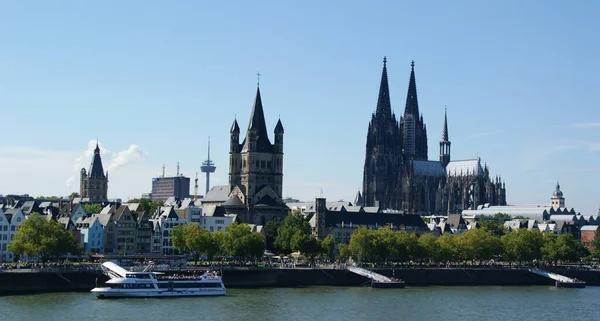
398, 175
94, 184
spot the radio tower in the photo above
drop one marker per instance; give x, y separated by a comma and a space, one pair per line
208, 166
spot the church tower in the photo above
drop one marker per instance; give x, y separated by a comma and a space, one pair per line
445, 143
256, 165
382, 158
414, 131
557, 200
94, 184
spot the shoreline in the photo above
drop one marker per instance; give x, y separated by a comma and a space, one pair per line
26, 282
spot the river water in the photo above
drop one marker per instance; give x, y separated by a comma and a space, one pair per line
321, 303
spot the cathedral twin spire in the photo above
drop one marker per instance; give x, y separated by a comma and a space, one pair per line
384, 106
412, 104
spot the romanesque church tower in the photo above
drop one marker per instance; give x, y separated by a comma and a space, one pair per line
384, 146
256, 165
94, 184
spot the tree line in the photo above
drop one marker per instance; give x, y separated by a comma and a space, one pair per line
480, 244
292, 234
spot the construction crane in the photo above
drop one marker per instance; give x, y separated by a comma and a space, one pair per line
196, 188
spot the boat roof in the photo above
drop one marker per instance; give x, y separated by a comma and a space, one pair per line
122, 272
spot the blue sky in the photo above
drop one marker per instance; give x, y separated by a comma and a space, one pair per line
153, 79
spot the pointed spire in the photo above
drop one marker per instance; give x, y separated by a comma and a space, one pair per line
258, 127
279, 127
235, 128
412, 104
96, 170
445, 131
257, 118
383, 101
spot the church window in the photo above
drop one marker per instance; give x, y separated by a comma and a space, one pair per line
262, 164
257, 163
269, 164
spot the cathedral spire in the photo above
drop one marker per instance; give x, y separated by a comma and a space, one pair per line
383, 101
445, 131
412, 105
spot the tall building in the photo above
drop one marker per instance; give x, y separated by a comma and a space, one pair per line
256, 170
398, 175
94, 184
165, 187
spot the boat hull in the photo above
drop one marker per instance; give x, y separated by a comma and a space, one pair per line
108, 293
388, 285
576, 284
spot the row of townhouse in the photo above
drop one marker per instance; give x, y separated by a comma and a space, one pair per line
127, 229
10, 219
118, 228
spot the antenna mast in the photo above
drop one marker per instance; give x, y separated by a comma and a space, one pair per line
196, 188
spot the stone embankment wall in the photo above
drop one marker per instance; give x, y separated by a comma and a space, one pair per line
39, 282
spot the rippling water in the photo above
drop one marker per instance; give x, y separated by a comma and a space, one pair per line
321, 303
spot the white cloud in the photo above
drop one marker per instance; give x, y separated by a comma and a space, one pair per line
586, 125
124, 157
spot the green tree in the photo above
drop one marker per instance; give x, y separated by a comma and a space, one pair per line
218, 240
178, 238
478, 244
522, 245
361, 244
43, 238
549, 249
242, 242
73, 195
430, 246
193, 239
384, 243
448, 249
344, 252
502, 216
48, 198
494, 226
596, 246
271, 233
92, 209
569, 249
149, 206
292, 223
308, 245
254, 245
328, 246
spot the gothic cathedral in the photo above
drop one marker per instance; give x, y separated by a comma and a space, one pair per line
94, 184
398, 174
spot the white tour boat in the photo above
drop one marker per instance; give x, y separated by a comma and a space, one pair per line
146, 284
